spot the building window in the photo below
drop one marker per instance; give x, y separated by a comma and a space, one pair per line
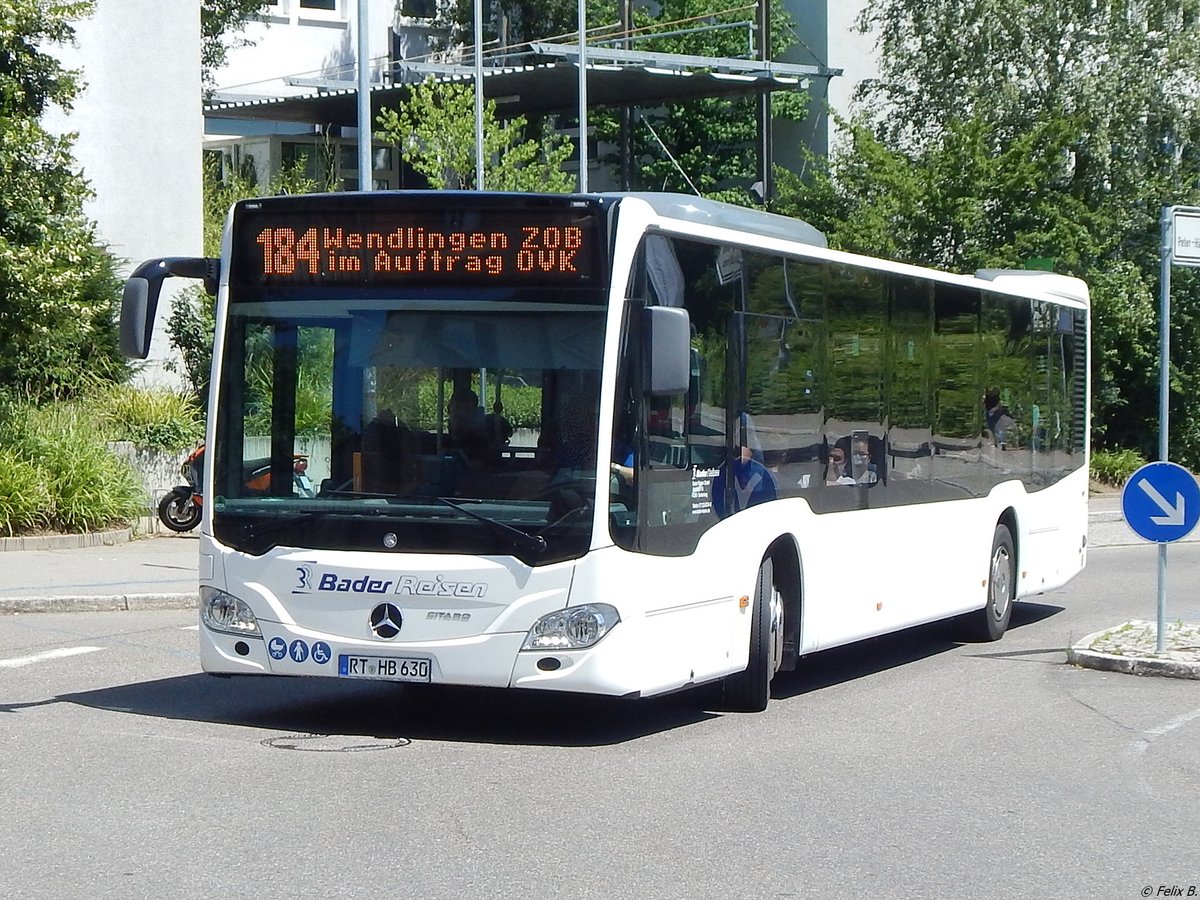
327, 5
418, 9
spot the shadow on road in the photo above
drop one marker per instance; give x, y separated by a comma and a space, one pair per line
442, 713
869, 657
496, 716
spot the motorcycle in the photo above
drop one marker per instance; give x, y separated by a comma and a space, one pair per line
181, 509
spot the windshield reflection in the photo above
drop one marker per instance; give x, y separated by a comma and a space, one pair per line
465, 430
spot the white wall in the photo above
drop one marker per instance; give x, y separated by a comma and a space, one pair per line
828, 38
140, 128
851, 51
293, 41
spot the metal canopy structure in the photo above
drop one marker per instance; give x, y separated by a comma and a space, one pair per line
616, 78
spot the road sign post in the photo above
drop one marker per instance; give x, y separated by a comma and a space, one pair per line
1180, 247
1161, 503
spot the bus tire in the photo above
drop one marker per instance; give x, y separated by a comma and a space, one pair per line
990, 623
750, 690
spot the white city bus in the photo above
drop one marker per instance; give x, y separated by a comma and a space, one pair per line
615, 444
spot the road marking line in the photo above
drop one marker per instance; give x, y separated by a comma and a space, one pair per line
189, 628
19, 661
1176, 722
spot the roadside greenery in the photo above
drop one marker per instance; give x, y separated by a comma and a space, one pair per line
57, 474
59, 287
1113, 467
153, 419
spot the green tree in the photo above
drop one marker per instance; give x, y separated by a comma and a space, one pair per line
1005, 130
191, 323
58, 286
435, 133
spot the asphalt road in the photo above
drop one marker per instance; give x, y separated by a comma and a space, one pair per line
909, 766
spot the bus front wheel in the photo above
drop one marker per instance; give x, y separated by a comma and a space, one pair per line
750, 690
990, 623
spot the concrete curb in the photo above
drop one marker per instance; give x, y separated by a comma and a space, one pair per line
111, 603
67, 541
1130, 649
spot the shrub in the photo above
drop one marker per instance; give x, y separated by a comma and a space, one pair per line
60, 447
1115, 466
155, 419
25, 501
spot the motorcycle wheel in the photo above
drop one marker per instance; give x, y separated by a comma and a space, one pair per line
179, 513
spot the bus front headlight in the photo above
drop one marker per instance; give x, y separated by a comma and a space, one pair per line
573, 628
224, 612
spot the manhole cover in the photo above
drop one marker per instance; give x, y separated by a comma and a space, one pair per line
334, 743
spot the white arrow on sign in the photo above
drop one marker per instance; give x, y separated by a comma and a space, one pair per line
1174, 514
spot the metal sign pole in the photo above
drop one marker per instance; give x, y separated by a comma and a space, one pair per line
365, 182
583, 101
478, 24
1164, 375
1180, 247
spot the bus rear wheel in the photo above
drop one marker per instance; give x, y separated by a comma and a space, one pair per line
750, 690
990, 623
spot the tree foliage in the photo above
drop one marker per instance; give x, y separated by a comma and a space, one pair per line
57, 285
435, 133
1001, 131
191, 323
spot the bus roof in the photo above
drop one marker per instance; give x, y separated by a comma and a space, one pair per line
702, 211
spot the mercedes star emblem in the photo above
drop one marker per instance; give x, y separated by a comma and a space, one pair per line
386, 620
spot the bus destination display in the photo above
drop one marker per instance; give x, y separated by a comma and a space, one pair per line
416, 247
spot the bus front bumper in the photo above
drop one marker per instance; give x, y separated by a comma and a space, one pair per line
487, 660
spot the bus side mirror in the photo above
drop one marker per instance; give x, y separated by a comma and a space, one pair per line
669, 345
137, 316
139, 301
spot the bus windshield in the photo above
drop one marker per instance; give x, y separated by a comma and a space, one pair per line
409, 424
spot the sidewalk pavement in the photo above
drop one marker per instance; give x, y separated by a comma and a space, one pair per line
74, 573
117, 572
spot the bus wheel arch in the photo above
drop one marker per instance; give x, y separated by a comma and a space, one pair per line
788, 571
991, 622
774, 631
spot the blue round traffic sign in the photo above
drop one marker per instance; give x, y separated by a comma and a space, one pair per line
1161, 502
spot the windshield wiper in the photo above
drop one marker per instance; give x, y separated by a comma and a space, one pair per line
531, 543
584, 507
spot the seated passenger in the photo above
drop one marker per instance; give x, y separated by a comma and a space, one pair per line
863, 470
835, 468
468, 426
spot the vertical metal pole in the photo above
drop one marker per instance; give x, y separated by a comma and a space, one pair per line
1164, 375
365, 181
766, 161
478, 95
583, 159
626, 110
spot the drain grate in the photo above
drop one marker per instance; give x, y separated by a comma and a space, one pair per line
334, 743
